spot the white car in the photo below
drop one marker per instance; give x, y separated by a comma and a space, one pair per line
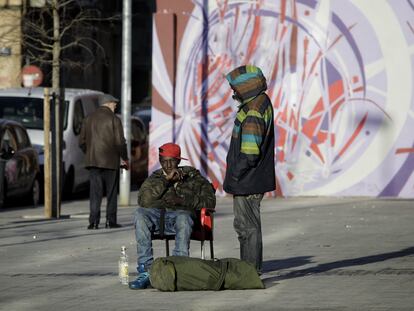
25, 105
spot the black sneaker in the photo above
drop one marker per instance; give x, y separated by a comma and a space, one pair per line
93, 226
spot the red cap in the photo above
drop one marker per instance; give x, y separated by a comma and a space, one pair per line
171, 150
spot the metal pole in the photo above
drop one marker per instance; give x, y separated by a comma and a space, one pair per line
125, 176
53, 158
47, 166
58, 153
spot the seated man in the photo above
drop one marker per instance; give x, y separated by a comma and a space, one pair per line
171, 195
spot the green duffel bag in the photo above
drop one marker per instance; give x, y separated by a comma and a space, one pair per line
184, 273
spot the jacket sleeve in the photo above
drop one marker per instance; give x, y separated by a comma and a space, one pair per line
253, 131
120, 141
151, 192
203, 196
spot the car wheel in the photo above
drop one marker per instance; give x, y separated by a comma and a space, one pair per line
35, 192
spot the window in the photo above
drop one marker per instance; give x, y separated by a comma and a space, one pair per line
8, 140
22, 139
78, 116
137, 131
27, 111
90, 103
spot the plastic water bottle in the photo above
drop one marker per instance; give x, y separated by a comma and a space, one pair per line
123, 267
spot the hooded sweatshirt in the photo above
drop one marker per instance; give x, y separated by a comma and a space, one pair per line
250, 160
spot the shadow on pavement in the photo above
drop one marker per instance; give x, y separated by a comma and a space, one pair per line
36, 221
84, 194
16, 204
274, 265
339, 264
85, 232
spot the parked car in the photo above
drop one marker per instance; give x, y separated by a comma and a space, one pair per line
25, 105
139, 151
19, 164
143, 111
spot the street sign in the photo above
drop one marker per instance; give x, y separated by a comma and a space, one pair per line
32, 76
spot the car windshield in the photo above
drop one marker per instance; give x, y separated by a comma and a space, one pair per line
27, 110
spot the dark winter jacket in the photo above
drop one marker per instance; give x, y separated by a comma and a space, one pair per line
250, 160
196, 191
102, 138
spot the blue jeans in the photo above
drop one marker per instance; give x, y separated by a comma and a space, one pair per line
147, 220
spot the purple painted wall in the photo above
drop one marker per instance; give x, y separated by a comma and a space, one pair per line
340, 76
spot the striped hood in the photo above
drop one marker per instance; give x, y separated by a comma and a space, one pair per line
247, 81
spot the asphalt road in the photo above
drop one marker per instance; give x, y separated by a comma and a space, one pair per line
319, 253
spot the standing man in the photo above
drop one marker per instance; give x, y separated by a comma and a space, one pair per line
102, 138
168, 201
250, 160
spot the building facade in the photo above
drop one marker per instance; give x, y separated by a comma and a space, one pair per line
95, 63
10, 47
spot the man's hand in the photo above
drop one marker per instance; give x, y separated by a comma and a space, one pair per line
173, 200
175, 175
125, 164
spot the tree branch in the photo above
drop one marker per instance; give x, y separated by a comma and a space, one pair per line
37, 48
43, 44
65, 4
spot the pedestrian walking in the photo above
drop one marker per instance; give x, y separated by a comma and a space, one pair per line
250, 159
102, 139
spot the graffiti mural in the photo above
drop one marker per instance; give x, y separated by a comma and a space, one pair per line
340, 76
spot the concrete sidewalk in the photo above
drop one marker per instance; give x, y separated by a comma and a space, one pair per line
319, 253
